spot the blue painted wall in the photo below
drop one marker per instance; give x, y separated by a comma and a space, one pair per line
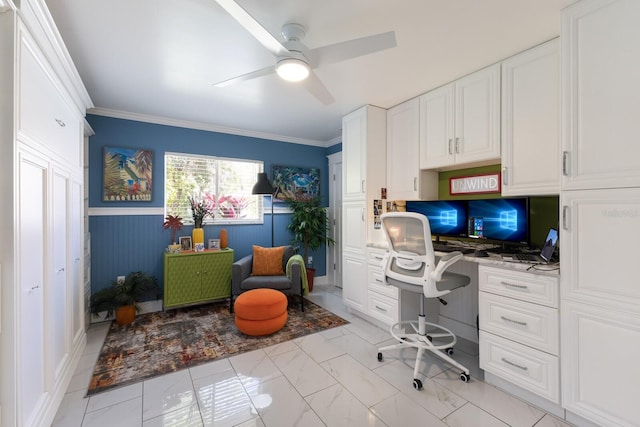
124, 243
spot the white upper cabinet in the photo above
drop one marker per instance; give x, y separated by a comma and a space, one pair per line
601, 94
403, 166
530, 122
363, 150
460, 122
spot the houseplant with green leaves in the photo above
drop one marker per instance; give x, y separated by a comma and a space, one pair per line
310, 226
121, 297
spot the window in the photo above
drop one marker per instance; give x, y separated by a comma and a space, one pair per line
225, 183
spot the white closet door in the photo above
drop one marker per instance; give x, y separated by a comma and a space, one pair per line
32, 186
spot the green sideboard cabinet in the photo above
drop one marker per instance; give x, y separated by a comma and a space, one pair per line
196, 277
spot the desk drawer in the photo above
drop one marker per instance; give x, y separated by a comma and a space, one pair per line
530, 324
523, 366
383, 308
521, 285
375, 257
376, 283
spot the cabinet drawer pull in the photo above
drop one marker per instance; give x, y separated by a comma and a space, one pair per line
515, 365
379, 258
517, 322
60, 123
514, 285
381, 309
379, 281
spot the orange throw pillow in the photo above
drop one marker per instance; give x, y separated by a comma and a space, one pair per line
267, 261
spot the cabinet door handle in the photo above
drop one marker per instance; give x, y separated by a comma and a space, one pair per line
517, 322
362, 186
450, 149
60, 270
415, 183
514, 285
565, 218
34, 287
60, 123
565, 163
380, 308
362, 214
515, 365
457, 145
504, 176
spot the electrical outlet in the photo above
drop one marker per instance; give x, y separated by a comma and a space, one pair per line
120, 280
310, 260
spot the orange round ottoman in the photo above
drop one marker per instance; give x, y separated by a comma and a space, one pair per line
260, 311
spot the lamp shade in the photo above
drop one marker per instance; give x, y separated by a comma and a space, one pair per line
263, 186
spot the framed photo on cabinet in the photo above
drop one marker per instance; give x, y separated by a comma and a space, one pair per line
214, 244
185, 243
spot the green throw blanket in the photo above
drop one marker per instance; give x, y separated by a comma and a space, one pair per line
297, 259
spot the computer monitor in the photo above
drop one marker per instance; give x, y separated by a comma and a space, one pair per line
447, 218
499, 220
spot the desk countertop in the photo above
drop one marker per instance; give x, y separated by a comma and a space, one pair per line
494, 259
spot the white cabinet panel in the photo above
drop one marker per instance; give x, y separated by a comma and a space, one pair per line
600, 231
521, 285
600, 368
354, 237
354, 283
437, 127
600, 59
45, 116
531, 122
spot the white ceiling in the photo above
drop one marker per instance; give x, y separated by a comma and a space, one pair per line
159, 58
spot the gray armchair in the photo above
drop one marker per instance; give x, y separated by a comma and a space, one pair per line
242, 280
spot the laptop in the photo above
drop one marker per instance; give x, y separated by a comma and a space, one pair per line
544, 257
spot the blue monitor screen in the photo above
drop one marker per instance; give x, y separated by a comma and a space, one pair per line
446, 218
504, 220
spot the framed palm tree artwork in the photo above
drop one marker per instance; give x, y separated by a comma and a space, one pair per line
127, 175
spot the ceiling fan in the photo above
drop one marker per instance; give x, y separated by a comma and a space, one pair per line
294, 61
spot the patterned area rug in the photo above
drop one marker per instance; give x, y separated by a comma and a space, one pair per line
163, 342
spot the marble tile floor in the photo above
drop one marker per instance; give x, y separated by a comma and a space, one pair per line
331, 378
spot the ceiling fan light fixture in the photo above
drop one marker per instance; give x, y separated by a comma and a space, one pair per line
292, 69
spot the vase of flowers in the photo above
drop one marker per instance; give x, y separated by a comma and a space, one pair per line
199, 210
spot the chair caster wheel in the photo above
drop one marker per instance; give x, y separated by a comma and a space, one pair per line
379, 357
464, 377
450, 351
417, 384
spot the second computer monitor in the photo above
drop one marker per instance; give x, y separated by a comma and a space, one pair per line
500, 220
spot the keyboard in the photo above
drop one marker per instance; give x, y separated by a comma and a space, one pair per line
525, 257
439, 247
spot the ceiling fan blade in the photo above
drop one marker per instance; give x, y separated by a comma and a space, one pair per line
252, 75
318, 89
253, 27
353, 48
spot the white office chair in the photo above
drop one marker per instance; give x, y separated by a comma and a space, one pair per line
410, 266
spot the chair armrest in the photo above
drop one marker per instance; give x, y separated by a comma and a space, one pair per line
240, 270
445, 262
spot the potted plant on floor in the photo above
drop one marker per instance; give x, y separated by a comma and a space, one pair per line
121, 297
309, 225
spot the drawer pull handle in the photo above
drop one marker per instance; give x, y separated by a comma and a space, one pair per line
378, 280
379, 258
515, 365
381, 309
60, 123
514, 285
517, 322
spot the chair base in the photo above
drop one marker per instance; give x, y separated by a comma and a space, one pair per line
422, 340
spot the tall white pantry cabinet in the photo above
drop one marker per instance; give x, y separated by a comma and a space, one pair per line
600, 212
42, 330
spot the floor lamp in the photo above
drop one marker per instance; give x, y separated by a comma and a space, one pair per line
263, 186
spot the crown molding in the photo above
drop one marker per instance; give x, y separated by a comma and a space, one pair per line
4, 6
118, 114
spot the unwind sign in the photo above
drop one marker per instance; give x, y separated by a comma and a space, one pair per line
475, 184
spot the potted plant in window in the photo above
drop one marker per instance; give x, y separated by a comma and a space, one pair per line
199, 211
121, 297
309, 225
